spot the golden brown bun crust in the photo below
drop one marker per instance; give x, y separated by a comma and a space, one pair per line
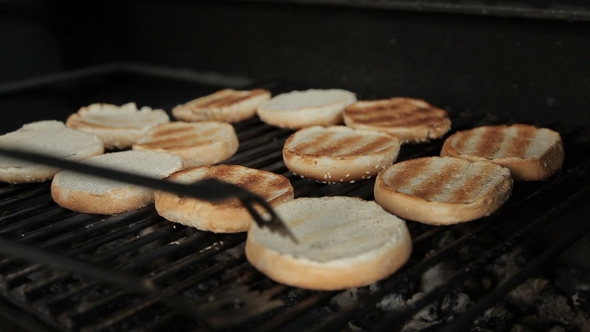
112, 202
118, 126
224, 105
339, 154
197, 143
303, 273
412, 120
454, 190
530, 153
343, 242
88, 194
228, 216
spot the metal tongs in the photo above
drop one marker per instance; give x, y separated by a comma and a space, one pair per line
211, 190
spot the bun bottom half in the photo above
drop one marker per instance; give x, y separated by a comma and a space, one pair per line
335, 275
115, 201
343, 242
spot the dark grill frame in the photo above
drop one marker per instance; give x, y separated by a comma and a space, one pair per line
199, 274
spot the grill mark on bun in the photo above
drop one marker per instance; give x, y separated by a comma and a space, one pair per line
164, 131
474, 180
463, 139
399, 116
375, 144
180, 137
520, 143
337, 147
435, 184
489, 141
305, 146
226, 98
401, 175
336, 144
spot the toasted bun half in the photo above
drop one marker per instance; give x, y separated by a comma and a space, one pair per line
412, 120
118, 126
47, 137
339, 154
89, 194
442, 190
343, 242
224, 105
529, 152
228, 216
197, 143
299, 109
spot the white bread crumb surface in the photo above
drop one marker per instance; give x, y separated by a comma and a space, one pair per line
47, 137
299, 109
343, 242
147, 163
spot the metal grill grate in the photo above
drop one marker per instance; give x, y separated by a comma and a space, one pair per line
211, 273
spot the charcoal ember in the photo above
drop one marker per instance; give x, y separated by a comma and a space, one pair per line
436, 276
231, 253
353, 328
479, 284
392, 303
572, 278
508, 264
521, 328
346, 298
297, 293
496, 319
423, 319
558, 328
554, 308
550, 309
525, 295
454, 303
444, 240
581, 300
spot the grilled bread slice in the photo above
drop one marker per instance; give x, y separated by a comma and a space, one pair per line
224, 105
299, 109
197, 143
343, 242
118, 126
47, 137
228, 216
529, 152
412, 120
89, 194
443, 190
339, 154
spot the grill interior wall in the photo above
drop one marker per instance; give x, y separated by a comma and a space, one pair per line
505, 66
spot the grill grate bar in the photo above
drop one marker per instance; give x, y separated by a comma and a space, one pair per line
520, 211
497, 294
100, 258
295, 311
23, 225
77, 250
28, 209
59, 227
113, 277
7, 191
193, 259
130, 266
145, 303
18, 199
